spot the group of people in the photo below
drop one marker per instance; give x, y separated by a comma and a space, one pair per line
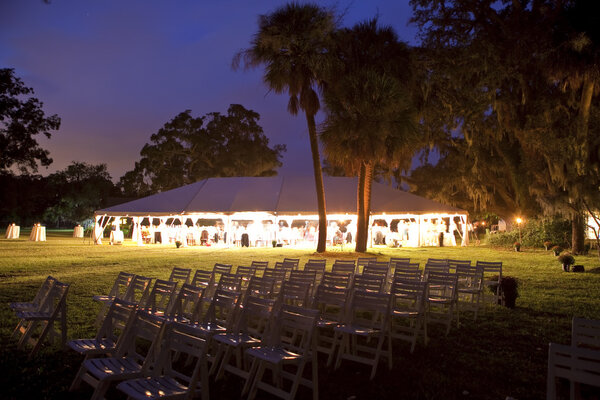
399, 233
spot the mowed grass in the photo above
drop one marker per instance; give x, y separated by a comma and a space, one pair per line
503, 353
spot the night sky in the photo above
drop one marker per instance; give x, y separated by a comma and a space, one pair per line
116, 71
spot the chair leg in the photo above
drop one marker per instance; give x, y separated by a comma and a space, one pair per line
341, 350
250, 377
217, 360
315, 376
257, 380
334, 344
38, 344
100, 390
297, 380
78, 378
224, 363
31, 326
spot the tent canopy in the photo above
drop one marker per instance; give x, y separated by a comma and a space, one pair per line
277, 195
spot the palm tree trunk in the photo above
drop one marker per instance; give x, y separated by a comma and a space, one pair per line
316, 159
363, 199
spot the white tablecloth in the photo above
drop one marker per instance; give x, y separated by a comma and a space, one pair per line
78, 231
13, 231
116, 237
38, 233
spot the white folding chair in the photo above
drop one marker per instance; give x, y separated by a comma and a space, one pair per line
408, 317
39, 297
442, 298
251, 327
331, 301
136, 351
52, 309
492, 276
289, 350
585, 333
576, 364
470, 287
168, 379
362, 338
118, 291
119, 316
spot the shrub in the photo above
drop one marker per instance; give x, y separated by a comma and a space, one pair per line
566, 258
534, 233
557, 250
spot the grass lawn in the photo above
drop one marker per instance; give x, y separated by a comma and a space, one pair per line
503, 353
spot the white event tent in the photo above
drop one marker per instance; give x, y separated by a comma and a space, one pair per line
278, 204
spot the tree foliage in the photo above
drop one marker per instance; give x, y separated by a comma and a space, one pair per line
188, 149
511, 87
21, 119
370, 116
78, 190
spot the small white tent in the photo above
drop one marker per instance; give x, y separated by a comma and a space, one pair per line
279, 199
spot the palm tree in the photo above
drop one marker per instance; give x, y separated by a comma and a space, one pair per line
370, 117
292, 44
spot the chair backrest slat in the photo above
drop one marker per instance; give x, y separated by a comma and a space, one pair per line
373, 283
333, 279
181, 275
138, 290
344, 266
585, 333
202, 278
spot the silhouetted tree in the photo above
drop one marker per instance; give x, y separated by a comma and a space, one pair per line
188, 149
21, 118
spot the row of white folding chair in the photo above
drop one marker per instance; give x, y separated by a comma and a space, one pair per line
272, 334
217, 319
38, 318
142, 361
127, 286
578, 363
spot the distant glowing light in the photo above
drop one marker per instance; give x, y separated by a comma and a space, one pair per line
519, 220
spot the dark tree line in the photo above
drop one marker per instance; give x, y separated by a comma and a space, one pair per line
184, 150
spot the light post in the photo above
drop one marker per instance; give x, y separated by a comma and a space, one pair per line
519, 220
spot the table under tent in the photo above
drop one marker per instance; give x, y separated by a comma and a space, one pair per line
281, 211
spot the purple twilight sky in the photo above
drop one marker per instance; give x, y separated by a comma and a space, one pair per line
116, 71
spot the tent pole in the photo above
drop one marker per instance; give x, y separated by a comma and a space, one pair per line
465, 241
97, 232
419, 222
228, 234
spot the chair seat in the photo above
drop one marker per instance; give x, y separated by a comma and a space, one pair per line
440, 300
325, 323
23, 306
356, 330
469, 290
236, 339
404, 313
273, 354
34, 315
209, 328
103, 298
152, 388
111, 368
92, 346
